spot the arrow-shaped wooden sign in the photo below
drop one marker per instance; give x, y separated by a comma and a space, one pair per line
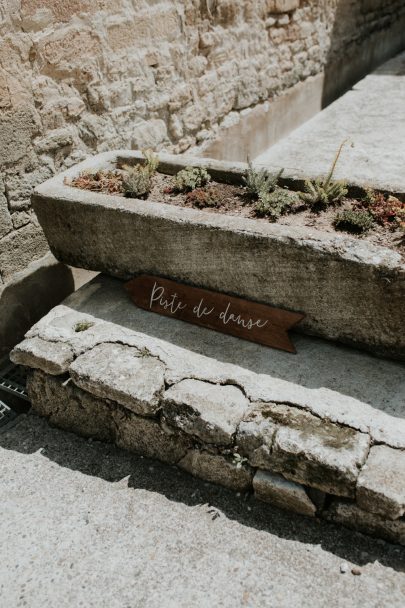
235, 316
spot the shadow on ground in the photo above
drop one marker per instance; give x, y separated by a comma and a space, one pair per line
30, 434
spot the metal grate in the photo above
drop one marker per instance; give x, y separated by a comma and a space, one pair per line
6, 414
13, 380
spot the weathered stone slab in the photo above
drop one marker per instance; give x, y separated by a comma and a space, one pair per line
314, 452
360, 392
70, 408
208, 411
350, 515
51, 357
282, 493
146, 437
217, 469
381, 483
123, 374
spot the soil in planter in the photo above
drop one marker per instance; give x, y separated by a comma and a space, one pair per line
234, 200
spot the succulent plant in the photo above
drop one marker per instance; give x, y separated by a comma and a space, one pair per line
320, 193
356, 221
386, 210
190, 178
274, 204
201, 198
137, 180
261, 181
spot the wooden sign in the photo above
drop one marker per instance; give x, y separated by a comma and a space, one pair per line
241, 318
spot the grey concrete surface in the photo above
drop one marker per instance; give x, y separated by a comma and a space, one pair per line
85, 524
371, 116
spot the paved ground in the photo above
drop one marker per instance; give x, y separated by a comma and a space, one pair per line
84, 524
371, 115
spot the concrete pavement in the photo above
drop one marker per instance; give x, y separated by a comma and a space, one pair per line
85, 524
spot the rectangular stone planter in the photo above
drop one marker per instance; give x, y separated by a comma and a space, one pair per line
351, 290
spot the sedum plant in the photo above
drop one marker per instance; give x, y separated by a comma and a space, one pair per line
320, 193
200, 197
137, 181
356, 221
274, 204
190, 178
386, 211
260, 182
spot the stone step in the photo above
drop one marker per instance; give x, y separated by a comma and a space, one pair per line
320, 433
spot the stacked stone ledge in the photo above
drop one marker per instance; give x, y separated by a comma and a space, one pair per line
116, 389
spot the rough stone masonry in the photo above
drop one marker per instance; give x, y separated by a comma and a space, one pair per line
317, 452
78, 77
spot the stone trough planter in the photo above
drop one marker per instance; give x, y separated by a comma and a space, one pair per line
351, 290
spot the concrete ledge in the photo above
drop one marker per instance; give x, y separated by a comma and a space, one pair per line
203, 414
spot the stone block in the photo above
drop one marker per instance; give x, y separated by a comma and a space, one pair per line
282, 6
68, 48
282, 493
57, 138
123, 374
255, 438
6, 225
52, 358
61, 10
350, 515
208, 411
146, 437
149, 134
70, 408
381, 483
314, 452
17, 128
217, 469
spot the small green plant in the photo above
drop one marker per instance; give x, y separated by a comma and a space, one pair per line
320, 193
201, 198
83, 325
355, 221
238, 460
274, 204
260, 182
190, 178
143, 352
137, 181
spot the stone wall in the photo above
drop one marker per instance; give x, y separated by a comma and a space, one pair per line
313, 451
79, 76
